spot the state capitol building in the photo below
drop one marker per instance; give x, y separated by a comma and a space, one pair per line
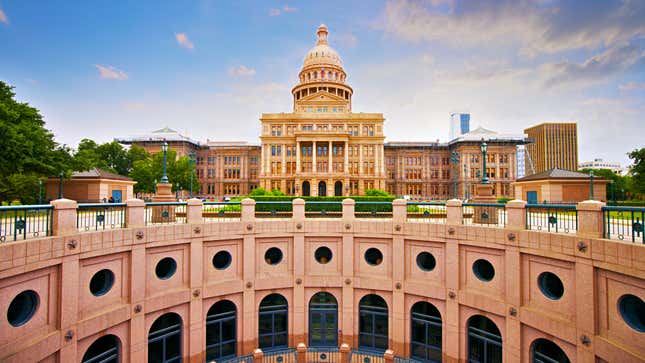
323, 148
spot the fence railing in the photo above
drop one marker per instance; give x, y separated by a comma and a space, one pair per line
365, 356
323, 355
165, 213
323, 209
484, 214
273, 209
398, 359
25, 221
241, 359
556, 218
624, 223
98, 216
431, 212
363, 209
288, 355
221, 211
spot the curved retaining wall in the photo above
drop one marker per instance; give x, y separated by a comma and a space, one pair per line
585, 322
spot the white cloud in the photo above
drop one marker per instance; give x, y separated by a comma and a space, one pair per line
285, 9
288, 9
241, 71
109, 72
348, 40
274, 12
182, 40
134, 105
3, 17
632, 86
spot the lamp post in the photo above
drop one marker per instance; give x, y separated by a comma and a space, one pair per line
591, 185
60, 185
454, 158
613, 191
192, 163
484, 149
164, 177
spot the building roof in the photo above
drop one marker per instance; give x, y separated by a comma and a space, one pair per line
96, 173
487, 135
165, 134
556, 173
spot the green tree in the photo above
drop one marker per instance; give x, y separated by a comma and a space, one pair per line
617, 182
150, 169
377, 193
637, 171
28, 151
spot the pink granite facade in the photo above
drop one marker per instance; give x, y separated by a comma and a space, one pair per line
584, 322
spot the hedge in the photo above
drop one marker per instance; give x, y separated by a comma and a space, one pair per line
378, 204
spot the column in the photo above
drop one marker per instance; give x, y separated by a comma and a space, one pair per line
313, 157
360, 159
283, 170
329, 166
346, 153
297, 157
262, 152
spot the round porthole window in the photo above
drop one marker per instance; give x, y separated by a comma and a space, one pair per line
484, 270
166, 268
632, 309
551, 285
101, 282
222, 260
22, 308
323, 254
426, 261
273, 256
373, 256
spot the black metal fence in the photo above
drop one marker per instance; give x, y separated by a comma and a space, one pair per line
273, 209
558, 218
363, 356
221, 211
363, 209
281, 356
165, 213
323, 209
624, 223
484, 214
99, 216
241, 359
430, 212
323, 355
25, 221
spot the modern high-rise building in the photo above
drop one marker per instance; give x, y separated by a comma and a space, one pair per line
555, 145
521, 162
459, 124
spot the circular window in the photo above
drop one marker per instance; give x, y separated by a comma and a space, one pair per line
101, 282
632, 309
373, 256
222, 260
22, 308
551, 285
323, 254
273, 256
484, 270
426, 261
166, 268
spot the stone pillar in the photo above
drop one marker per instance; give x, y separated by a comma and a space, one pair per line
344, 353
388, 356
194, 211
298, 170
64, 217
302, 353
135, 213
298, 206
165, 213
399, 211
360, 159
590, 224
248, 210
485, 195
346, 154
516, 214
331, 161
348, 210
258, 356
313, 156
454, 212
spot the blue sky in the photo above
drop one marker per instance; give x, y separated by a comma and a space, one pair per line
104, 69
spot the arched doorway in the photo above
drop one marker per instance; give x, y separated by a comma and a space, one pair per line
323, 320
373, 323
546, 351
306, 189
484, 340
104, 349
322, 189
164, 339
425, 326
221, 332
272, 323
338, 188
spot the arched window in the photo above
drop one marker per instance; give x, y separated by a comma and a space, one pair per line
323, 320
104, 349
221, 332
546, 351
373, 323
484, 341
316, 75
164, 339
425, 326
309, 76
272, 323
336, 76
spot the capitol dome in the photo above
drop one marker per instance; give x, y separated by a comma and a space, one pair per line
322, 53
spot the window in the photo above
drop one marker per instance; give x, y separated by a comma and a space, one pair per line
165, 268
272, 322
323, 320
484, 340
221, 331
22, 308
632, 310
273, 256
164, 339
425, 340
323, 255
222, 260
372, 323
550, 285
426, 261
373, 256
546, 351
101, 282
104, 350
484, 270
